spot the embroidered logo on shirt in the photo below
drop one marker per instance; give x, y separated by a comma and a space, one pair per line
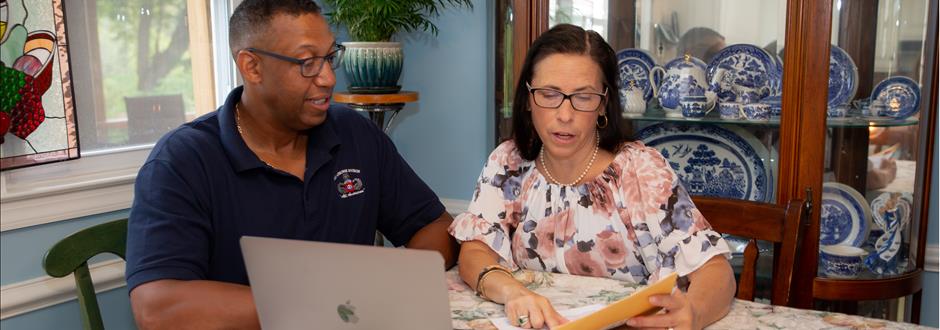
348, 182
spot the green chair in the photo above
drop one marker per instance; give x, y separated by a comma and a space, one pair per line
71, 254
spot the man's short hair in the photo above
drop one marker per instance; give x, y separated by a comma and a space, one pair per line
252, 17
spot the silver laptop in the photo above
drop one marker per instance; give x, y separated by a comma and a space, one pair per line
316, 285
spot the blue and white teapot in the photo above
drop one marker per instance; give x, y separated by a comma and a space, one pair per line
684, 76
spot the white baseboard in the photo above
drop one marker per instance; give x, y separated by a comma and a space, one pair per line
455, 206
45, 291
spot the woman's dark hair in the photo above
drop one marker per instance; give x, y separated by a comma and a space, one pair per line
567, 39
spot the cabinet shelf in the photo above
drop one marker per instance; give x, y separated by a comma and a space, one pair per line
868, 289
657, 114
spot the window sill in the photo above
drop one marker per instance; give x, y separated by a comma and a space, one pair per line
93, 184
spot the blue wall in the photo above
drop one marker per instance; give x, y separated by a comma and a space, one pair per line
448, 133
447, 136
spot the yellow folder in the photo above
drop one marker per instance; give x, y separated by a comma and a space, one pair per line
618, 312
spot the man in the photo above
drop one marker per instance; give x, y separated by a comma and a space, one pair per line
276, 161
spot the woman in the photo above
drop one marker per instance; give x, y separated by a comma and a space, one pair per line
564, 195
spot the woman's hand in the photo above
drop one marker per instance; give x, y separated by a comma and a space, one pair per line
679, 313
527, 309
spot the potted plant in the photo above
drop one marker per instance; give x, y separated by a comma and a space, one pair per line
372, 61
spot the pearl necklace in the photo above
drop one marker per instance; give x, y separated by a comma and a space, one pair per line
597, 142
238, 125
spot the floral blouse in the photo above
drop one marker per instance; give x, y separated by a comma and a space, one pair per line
633, 222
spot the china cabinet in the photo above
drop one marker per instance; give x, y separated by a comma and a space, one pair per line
852, 89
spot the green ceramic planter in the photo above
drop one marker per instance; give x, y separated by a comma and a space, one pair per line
373, 67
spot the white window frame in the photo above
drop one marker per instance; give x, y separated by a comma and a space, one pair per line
99, 181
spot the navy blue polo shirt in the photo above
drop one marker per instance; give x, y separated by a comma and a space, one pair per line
201, 189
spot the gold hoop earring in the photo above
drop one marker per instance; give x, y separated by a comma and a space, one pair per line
605, 122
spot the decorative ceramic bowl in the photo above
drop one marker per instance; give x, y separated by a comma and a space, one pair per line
775, 105
694, 106
756, 111
837, 111
730, 110
863, 106
840, 261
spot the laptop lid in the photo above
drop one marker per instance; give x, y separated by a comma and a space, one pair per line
317, 285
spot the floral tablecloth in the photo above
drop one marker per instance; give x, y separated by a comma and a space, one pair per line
568, 291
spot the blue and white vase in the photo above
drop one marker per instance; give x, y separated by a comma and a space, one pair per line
373, 67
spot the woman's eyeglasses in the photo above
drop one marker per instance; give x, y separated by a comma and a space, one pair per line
580, 101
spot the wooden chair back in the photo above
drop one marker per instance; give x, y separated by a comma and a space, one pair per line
781, 225
71, 254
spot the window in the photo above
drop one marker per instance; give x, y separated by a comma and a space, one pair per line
146, 61
139, 69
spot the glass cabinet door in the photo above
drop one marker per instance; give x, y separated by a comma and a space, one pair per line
869, 221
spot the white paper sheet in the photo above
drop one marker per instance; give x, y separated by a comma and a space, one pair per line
502, 323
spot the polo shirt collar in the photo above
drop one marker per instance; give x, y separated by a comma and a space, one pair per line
322, 139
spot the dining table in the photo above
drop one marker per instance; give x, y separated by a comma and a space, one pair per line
565, 291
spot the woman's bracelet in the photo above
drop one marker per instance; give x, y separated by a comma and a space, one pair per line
484, 273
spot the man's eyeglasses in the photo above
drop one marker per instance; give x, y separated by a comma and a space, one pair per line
311, 66
580, 101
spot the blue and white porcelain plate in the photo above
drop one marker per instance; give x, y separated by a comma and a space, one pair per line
845, 216
636, 53
637, 71
712, 160
843, 77
900, 95
746, 67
